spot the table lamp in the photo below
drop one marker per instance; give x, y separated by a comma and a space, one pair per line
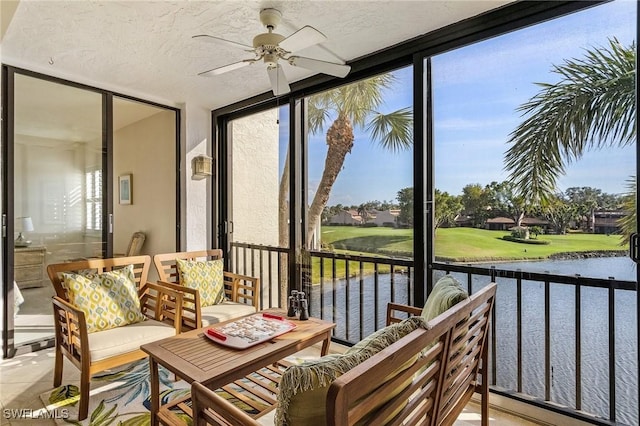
25, 224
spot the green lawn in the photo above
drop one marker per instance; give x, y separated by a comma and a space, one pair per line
369, 240
462, 244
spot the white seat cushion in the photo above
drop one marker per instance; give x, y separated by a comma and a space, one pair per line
268, 419
225, 311
128, 338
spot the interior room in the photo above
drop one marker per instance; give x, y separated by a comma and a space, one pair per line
268, 130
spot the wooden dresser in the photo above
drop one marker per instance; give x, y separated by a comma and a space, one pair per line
28, 265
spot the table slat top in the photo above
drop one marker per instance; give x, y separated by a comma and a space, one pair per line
193, 356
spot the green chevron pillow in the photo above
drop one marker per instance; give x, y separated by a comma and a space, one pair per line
108, 300
206, 277
445, 294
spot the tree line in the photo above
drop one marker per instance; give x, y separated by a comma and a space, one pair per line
576, 205
477, 203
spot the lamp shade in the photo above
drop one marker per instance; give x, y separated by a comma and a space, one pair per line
27, 224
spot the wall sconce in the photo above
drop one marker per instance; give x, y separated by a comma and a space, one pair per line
201, 167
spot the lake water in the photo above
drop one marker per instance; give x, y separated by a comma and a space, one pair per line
594, 325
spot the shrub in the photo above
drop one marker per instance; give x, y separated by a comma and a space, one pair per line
535, 231
524, 241
520, 232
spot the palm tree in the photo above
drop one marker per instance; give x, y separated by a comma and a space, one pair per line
349, 106
592, 106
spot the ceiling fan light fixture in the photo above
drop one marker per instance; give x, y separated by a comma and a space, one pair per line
271, 59
267, 41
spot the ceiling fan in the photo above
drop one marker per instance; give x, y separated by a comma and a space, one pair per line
271, 47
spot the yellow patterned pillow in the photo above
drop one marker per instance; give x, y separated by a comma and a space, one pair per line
108, 300
206, 277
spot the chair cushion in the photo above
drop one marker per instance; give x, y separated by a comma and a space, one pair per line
225, 311
121, 340
206, 277
108, 300
303, 388
446, 293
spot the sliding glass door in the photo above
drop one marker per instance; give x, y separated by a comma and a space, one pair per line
54, 192
257, 224
67, 150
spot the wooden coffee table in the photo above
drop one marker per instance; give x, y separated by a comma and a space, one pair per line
193, 357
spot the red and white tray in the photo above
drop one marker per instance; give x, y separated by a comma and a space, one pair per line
249, 331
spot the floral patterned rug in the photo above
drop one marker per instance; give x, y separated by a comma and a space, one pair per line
117, 397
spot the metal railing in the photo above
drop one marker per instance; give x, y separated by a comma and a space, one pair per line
537, 355
576, 339
268, 263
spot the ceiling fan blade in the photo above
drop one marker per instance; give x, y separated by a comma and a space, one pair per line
331, 68
227, 68
279, 83
213, 39
304, 37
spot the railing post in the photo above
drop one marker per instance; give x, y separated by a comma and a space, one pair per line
548, 372
612, 354
578, 348
519, 332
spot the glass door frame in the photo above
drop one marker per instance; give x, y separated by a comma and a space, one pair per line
8, 181
222, 217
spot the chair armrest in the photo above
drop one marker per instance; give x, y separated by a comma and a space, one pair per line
243, 289
191, 313
70, 330
209, 408
162, 303
393, 309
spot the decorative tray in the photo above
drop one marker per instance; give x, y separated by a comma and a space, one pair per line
249, 331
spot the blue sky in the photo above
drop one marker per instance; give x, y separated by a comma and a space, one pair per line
476, 92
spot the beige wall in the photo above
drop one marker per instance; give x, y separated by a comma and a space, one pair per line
146, 150
196, 205
256, 178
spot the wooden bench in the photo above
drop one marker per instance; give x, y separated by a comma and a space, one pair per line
92, 352
242, 292
441, 379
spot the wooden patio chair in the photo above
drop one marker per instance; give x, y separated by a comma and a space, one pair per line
242, 293
94, 351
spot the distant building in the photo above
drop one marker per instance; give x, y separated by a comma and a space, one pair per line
607, 222
384, 218
464, 220
346, 217
534, 221
506, 223
499, 223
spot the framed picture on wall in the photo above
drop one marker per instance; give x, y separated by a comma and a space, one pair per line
124, 184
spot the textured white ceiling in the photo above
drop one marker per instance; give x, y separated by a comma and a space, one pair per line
145, 49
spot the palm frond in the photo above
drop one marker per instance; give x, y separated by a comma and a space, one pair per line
358, 100
394, 131
592, 106
318, 113
628, 222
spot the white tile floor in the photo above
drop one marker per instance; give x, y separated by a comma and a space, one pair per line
25, 377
